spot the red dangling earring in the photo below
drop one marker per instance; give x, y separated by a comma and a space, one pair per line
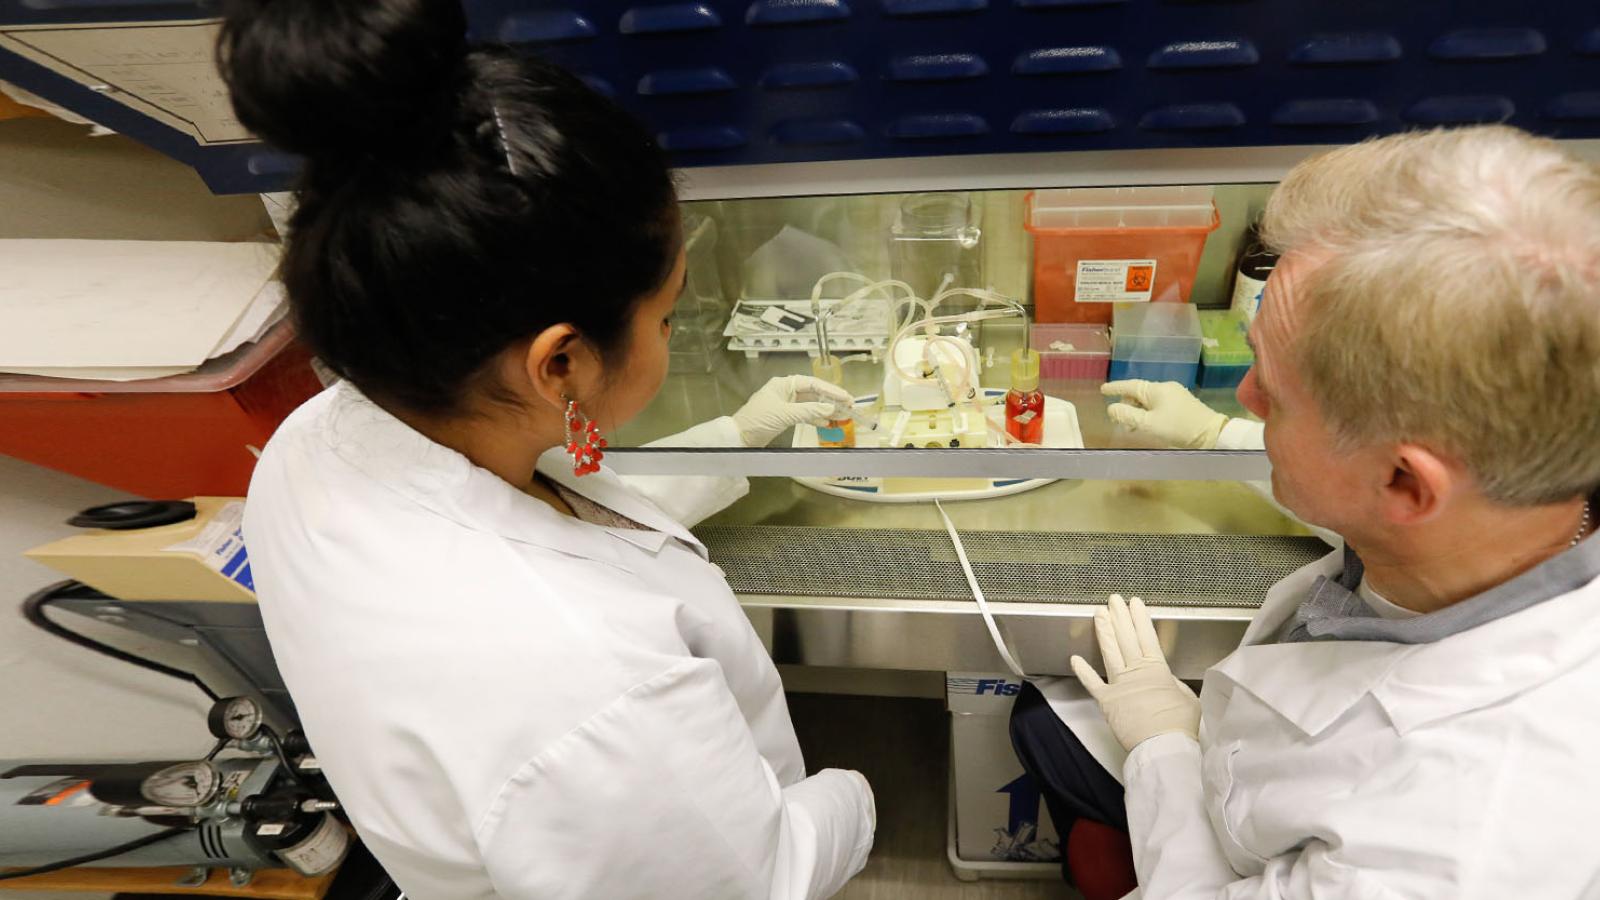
584, 443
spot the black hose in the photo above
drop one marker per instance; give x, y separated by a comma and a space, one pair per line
118, 850
33, 609
283, 759
321, 793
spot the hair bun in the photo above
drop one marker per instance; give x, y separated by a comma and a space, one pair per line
336, 77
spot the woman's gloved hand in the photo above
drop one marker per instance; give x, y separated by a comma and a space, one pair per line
1140, 697
785, 402
1166, 411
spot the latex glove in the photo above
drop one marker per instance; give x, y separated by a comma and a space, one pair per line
785, 402
1140, 697
1167, 411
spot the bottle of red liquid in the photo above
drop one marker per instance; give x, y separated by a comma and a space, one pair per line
1025, 403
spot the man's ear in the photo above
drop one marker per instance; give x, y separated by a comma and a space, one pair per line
1421, 483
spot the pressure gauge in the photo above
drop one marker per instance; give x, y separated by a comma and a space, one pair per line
183, 785
238, 718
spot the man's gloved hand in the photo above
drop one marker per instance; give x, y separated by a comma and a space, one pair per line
1165, 410
1143, 698
785, 402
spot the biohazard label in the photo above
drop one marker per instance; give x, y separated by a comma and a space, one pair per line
1115, 280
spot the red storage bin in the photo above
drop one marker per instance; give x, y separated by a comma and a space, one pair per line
1114, 245
181, 436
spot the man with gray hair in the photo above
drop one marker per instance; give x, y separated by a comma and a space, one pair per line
1414, 715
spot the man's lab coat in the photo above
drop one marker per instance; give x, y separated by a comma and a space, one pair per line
1462, 768
514, 703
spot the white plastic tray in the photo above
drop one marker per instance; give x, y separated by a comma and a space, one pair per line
863, 328
1060, 432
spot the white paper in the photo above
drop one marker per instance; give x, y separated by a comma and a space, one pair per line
268, 309
1079, 712
91, 373
28, 98
279, 207
264, 311
113, 304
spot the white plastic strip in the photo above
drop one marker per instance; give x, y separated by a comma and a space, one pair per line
977, 594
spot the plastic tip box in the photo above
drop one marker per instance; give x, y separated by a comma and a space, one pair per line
1156, 342
1225, 355
1072, 352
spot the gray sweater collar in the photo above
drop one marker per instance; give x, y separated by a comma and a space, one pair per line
1334, 611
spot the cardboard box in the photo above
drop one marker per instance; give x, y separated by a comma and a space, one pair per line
999, 814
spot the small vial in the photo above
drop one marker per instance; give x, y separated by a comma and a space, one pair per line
839, 433
1024, 402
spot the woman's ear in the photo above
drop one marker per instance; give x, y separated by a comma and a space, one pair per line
558, 363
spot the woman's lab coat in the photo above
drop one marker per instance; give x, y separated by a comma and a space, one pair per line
511, 702
1463, 768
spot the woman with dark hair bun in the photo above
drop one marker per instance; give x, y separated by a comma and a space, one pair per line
521, 674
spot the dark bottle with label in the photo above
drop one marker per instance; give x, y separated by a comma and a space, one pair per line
1255, 263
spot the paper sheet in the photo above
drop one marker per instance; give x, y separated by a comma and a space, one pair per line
268, 308
114, 304
91, 373
270, 305
279, 207
1079, 712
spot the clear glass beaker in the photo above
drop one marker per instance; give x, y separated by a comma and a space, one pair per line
935, 244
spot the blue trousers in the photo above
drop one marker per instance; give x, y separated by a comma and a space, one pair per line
1073, 783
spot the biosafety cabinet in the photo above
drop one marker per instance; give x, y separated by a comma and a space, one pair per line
1065, 186
924, 305
970, 215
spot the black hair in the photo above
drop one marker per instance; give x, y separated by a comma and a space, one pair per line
453, 200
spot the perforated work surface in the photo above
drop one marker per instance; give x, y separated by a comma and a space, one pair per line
1170, 569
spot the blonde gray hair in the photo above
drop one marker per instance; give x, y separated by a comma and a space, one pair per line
1459, 306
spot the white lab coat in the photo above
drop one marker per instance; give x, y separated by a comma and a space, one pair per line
514, 703
1462, 769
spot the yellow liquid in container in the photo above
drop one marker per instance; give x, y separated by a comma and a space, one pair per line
834, 434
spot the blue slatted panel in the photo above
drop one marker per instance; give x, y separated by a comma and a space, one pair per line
759, 81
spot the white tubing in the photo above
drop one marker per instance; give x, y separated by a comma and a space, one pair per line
977, 594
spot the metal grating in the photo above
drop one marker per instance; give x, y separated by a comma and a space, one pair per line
1032, 567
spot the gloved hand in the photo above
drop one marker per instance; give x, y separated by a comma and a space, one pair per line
787, 401
1165, 410
1143, 697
